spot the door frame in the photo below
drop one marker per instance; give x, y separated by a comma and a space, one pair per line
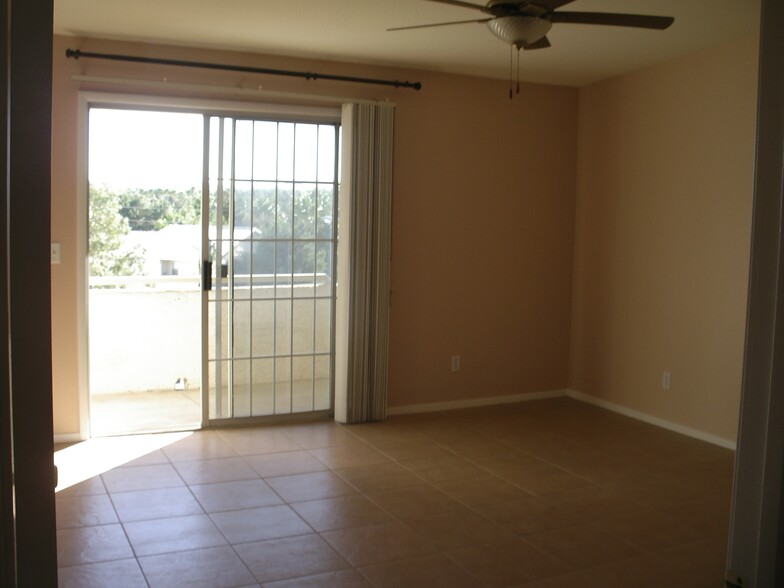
88, 99
220, 139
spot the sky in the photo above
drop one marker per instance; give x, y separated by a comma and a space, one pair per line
148, 149
143, 149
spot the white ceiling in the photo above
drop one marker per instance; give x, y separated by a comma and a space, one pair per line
355, 31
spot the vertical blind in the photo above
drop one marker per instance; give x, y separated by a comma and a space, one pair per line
364, 249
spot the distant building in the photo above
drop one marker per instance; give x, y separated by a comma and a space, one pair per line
175, 250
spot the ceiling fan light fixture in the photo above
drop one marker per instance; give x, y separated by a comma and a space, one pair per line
519, 30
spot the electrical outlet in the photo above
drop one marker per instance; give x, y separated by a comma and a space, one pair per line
455, 363
666, 380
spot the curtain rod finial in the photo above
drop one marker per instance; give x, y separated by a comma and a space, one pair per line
75, 53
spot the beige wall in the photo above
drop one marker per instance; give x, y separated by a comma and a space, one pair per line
483, 222
639, 187
664, 196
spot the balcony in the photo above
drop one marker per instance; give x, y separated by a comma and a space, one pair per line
145, 340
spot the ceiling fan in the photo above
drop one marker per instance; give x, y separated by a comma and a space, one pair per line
525, 24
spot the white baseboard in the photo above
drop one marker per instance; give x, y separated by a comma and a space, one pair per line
652, 420
575, 395
68, 438
473, 402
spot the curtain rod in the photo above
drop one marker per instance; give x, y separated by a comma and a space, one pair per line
330, 100
77, 53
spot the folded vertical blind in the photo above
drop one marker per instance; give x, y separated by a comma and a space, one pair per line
364, 250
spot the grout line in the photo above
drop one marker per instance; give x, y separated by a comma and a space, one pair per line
376, 443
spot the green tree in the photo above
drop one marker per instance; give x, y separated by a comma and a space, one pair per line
107, 229
151, 210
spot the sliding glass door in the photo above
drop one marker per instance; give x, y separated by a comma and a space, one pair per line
269, 242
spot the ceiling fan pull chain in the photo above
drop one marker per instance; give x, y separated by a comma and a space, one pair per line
518, 69
511, 54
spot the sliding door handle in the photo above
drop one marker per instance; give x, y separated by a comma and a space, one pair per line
206, 276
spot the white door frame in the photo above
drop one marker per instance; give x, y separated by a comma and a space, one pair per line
88, 99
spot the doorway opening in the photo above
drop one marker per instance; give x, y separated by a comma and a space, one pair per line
145, 176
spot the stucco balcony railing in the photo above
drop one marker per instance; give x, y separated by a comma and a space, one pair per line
145, 331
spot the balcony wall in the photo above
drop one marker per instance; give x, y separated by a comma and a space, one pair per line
145, 333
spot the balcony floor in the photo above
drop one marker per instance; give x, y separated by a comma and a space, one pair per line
174, 410
136, 412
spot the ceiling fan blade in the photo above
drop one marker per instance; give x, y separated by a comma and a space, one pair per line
439, 24
548, 5
542, 43
462, 4
608, 18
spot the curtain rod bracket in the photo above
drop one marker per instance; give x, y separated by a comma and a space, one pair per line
77, 53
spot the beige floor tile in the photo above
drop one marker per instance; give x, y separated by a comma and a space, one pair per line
85, 511
458, 528
583, 546
435, 469
258, 440
711, 479
290, 557
652, 530
319, 435
349, 456
124, 573
592, 503
384, 476
371, 544
655, 491
161, 503
142, 478
640, 572
547, 480
413, 501
704, 559
284, 464
312, 486
340, 579
388, 431
569, 580
92, 544
559, 452
169, 535
216, 567
708, 515
200, 445
507, 563
153, 458
88, 487
481, 490
411, 449
258, 524
597, 469
235, 495
531, 441
208, 471
339, 513
477, 447
431, 571
527, 515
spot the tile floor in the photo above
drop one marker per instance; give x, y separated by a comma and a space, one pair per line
543, 494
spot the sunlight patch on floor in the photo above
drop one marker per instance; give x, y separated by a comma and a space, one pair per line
93, 457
